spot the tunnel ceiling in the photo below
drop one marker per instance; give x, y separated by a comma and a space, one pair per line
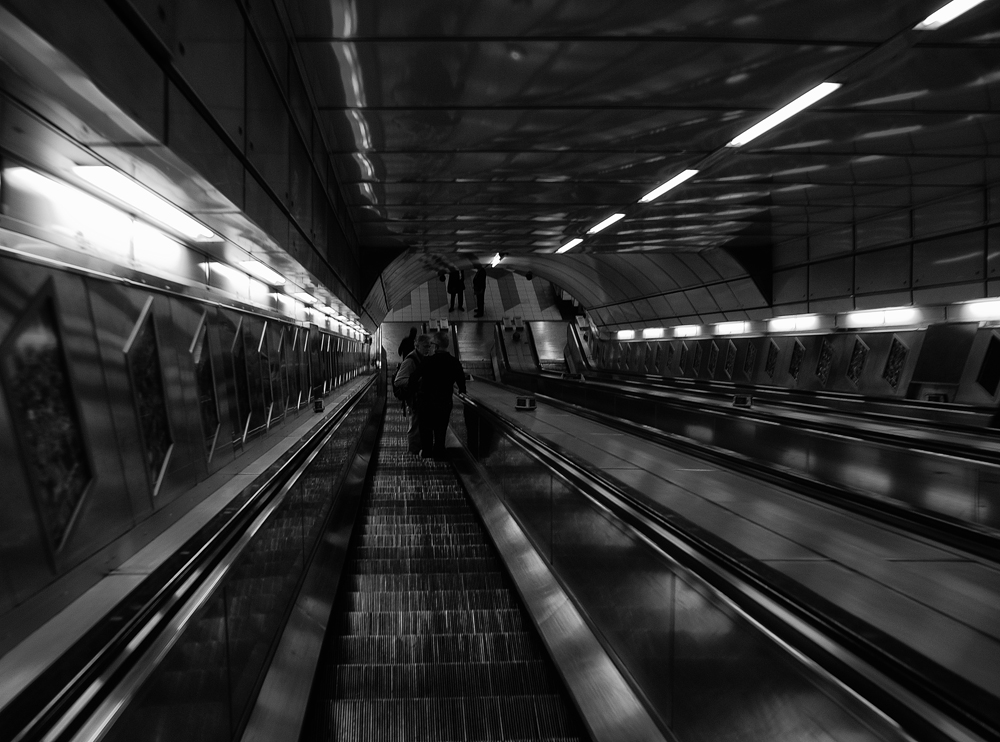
516, 125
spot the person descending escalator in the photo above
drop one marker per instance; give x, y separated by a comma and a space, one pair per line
436, 378
408, 343
404, 386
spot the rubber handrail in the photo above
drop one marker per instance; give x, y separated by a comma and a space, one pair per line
59, 698
929, 701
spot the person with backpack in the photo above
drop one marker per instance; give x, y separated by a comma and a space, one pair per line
404, 388
437, 376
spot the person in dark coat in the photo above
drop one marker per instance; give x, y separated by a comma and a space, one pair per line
437, 376
456, 287
406, 346
479, 288
406, 380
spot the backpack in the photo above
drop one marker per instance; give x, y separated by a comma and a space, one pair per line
401, 390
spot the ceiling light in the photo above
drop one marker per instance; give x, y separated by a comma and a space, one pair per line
261, 271
569, 245
145, 201
786, 112
496, 260
672, 183
687, 331
949, 12
652, 333
606, 223
304, 297
625, 334
980, 310
883, 317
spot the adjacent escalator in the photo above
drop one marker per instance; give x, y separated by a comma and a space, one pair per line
428, 639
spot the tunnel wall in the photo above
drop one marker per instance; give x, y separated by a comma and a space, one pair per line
218, 84
953, 362
118, 399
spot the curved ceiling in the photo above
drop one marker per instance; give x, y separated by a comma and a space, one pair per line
464, 129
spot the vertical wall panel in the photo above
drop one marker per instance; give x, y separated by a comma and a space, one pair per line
884, 270
955, 259
267, 124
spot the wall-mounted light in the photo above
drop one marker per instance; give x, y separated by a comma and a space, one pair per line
304, 297
144, 201
496, 260
784, 113
796, 323
732, 328
261, 271
625, 335
881, 318
978, 311
652, 333
687, 331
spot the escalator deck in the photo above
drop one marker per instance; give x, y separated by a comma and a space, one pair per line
428, 639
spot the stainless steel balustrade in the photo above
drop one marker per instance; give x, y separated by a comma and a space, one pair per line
707, 667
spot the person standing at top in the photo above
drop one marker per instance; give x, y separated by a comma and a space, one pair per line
456, 287
437, 376
404, 385
407, 344
479, 288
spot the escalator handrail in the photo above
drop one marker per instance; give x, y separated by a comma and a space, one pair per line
855, 657
988, 453
57, 703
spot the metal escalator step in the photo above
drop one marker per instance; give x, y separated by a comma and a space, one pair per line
394, 623
427, 600
431, 552
444, 680
385, 650
404, 566
419, 519
435, 581
420, 540
512, 718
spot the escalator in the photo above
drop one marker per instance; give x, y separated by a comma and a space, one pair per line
428, 639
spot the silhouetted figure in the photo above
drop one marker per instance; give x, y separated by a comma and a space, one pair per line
405, 386
456, 287
407, 344
438, 374
479, 288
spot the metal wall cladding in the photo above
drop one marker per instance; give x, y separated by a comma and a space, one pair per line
695, 660
885, 270
94, 321
953, 259
833, 278
969, 390
105, 510
268, 124
118, 65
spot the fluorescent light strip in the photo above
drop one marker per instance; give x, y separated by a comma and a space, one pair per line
261, 271
606, 223
496, 260
625, 335
687, 331
652, 333
798, 323
732, 328
786, 112
670, 184
569, 245
948, 13
145, 201
304, 297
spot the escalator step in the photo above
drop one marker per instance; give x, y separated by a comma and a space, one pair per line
406, 566
386, 650
394, 623
439, 581
452, 680
427, 600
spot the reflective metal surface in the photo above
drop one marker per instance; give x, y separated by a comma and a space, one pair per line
704, 670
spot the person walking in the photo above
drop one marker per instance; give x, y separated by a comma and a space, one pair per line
407, 344
479, 289
404, 386
437, 376
456, 287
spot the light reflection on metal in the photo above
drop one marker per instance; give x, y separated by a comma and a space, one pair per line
669, 185
569, 245
606, 223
